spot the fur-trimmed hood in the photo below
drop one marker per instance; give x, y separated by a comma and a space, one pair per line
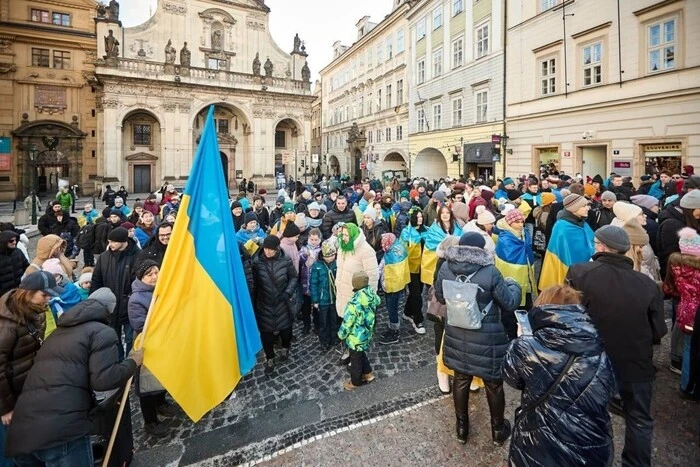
678, 259
469, 255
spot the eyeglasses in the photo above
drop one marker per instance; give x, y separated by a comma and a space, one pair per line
14, 240
164, 236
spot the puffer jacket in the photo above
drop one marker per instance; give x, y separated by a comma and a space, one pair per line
17, 352
683, 281
362, 258
322, 282
46, 248
572, 426
139, 303
357, 329
81, 356
478, 352
670, 222
115, 269
13, 263
333, 217
275, 284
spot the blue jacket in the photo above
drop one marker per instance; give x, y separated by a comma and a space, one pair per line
572, 426
322, 282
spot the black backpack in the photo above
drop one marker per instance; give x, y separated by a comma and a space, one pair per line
86, 237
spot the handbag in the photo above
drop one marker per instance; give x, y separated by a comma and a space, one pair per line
520, 411
148, 383
436, 310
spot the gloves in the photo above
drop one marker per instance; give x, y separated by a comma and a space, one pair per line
136, 356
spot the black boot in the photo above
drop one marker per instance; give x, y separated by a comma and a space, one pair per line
462, 429
500, 432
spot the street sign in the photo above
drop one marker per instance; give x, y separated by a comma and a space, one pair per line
314, 158
286, 157
302, 153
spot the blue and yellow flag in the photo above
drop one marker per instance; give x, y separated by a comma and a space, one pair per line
433, 237
569, 244
396, 272
201, 336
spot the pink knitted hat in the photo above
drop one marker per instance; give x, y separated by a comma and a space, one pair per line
689, 242
514, 215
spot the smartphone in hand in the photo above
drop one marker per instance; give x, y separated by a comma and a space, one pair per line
523, 323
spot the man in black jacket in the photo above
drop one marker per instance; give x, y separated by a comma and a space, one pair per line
628, 310
341, 212
115, 270
155, 248
51, 420
13, 263
109, 196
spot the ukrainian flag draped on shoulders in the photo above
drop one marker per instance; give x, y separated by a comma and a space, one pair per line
413, 240
201, 336
396, 271
433, 236
572, 242
515, 258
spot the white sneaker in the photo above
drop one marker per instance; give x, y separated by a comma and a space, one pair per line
418, 328
346, 354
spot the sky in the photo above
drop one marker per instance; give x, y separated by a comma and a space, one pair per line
319, 22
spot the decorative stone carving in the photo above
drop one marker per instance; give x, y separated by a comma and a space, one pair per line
297, 43
268, 67
170, 53
114, 10
5, 44
185, 56
110, 103
185, 107
217, 39
306, 72
256, 64
7, 68
255, 24
169, 106
175, 9
270, 113
111, 46
257, 113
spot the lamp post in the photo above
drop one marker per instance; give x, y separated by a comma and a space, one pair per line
33, 158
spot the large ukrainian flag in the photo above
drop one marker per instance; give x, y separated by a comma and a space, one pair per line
433, 237
569, 244
201, 336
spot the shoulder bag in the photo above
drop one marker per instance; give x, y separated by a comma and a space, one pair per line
521, 411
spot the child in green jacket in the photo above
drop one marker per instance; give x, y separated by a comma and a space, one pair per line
357, 330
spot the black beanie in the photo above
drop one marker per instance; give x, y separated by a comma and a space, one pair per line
249, 217
106, 212
120, 234
291, 230
514, 194
472, 239
143, 267
271, 242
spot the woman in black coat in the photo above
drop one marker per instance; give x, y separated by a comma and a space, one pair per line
478, 352
275, 285
571, 426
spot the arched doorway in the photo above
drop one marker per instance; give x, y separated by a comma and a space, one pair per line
141, 143
430, 163
357, 164
224, 165
394, 165
288, 138
334, 166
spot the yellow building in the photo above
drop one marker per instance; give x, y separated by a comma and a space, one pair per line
47, 106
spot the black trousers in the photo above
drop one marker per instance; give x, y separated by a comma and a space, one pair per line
414, 301
495, 397
150, 404
359, 365
268, 341
639, 426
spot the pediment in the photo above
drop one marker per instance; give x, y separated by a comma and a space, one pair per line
141, 156
251, 4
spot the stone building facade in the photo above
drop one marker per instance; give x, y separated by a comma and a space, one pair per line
606, 92
365, 100
158, 79
47, 99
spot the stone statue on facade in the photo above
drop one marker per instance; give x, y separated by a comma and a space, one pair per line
216, 37
354, 131
114, 10
268, 67
185, 56
170, 53
297, 43
111, 45
256, 64
306, 72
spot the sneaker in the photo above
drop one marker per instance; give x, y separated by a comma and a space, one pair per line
157, 429
167, 410
676, 367
348, 386
419, 328
389, 337
269, 366
346, 355
285, 355
368, 377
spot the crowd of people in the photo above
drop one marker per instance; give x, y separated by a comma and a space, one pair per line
577, 339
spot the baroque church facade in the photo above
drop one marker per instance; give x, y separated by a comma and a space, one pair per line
157, 80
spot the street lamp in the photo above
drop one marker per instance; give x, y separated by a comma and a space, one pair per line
33, 158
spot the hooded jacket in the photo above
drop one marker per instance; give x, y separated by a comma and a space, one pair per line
275, 283
80, 357
322, 282
18, 350
627, 309
361, 258
683, 281
49, 224
13, 263
46, 248
357, 329
478, 352
572, 426
334, 216
115, 270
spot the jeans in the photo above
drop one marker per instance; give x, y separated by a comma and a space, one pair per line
495, 397
359, 365
392, 306
636, 404
530, 229
269, 338
4, 461
685, 372
327, 324
76, 453
128, 339
414, 301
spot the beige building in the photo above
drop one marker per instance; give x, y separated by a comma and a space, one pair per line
316, 129
47, 104
600, 93
365, 100
158, 80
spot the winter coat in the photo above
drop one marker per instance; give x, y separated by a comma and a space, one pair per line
17, 352
572, 425
627, 309
333, 217
65, 200
108, 197
102, 230
357, 329
80, 357
115, 270
139, 303
154, 249
275, 284
373, 235
49, 224
86, 218
362, 258
322, 282
670, 220
247, 269
152, 206
600, 217
46, 248
263, 218
13, 263
307, 257
471, 226
683, 281
478, 352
